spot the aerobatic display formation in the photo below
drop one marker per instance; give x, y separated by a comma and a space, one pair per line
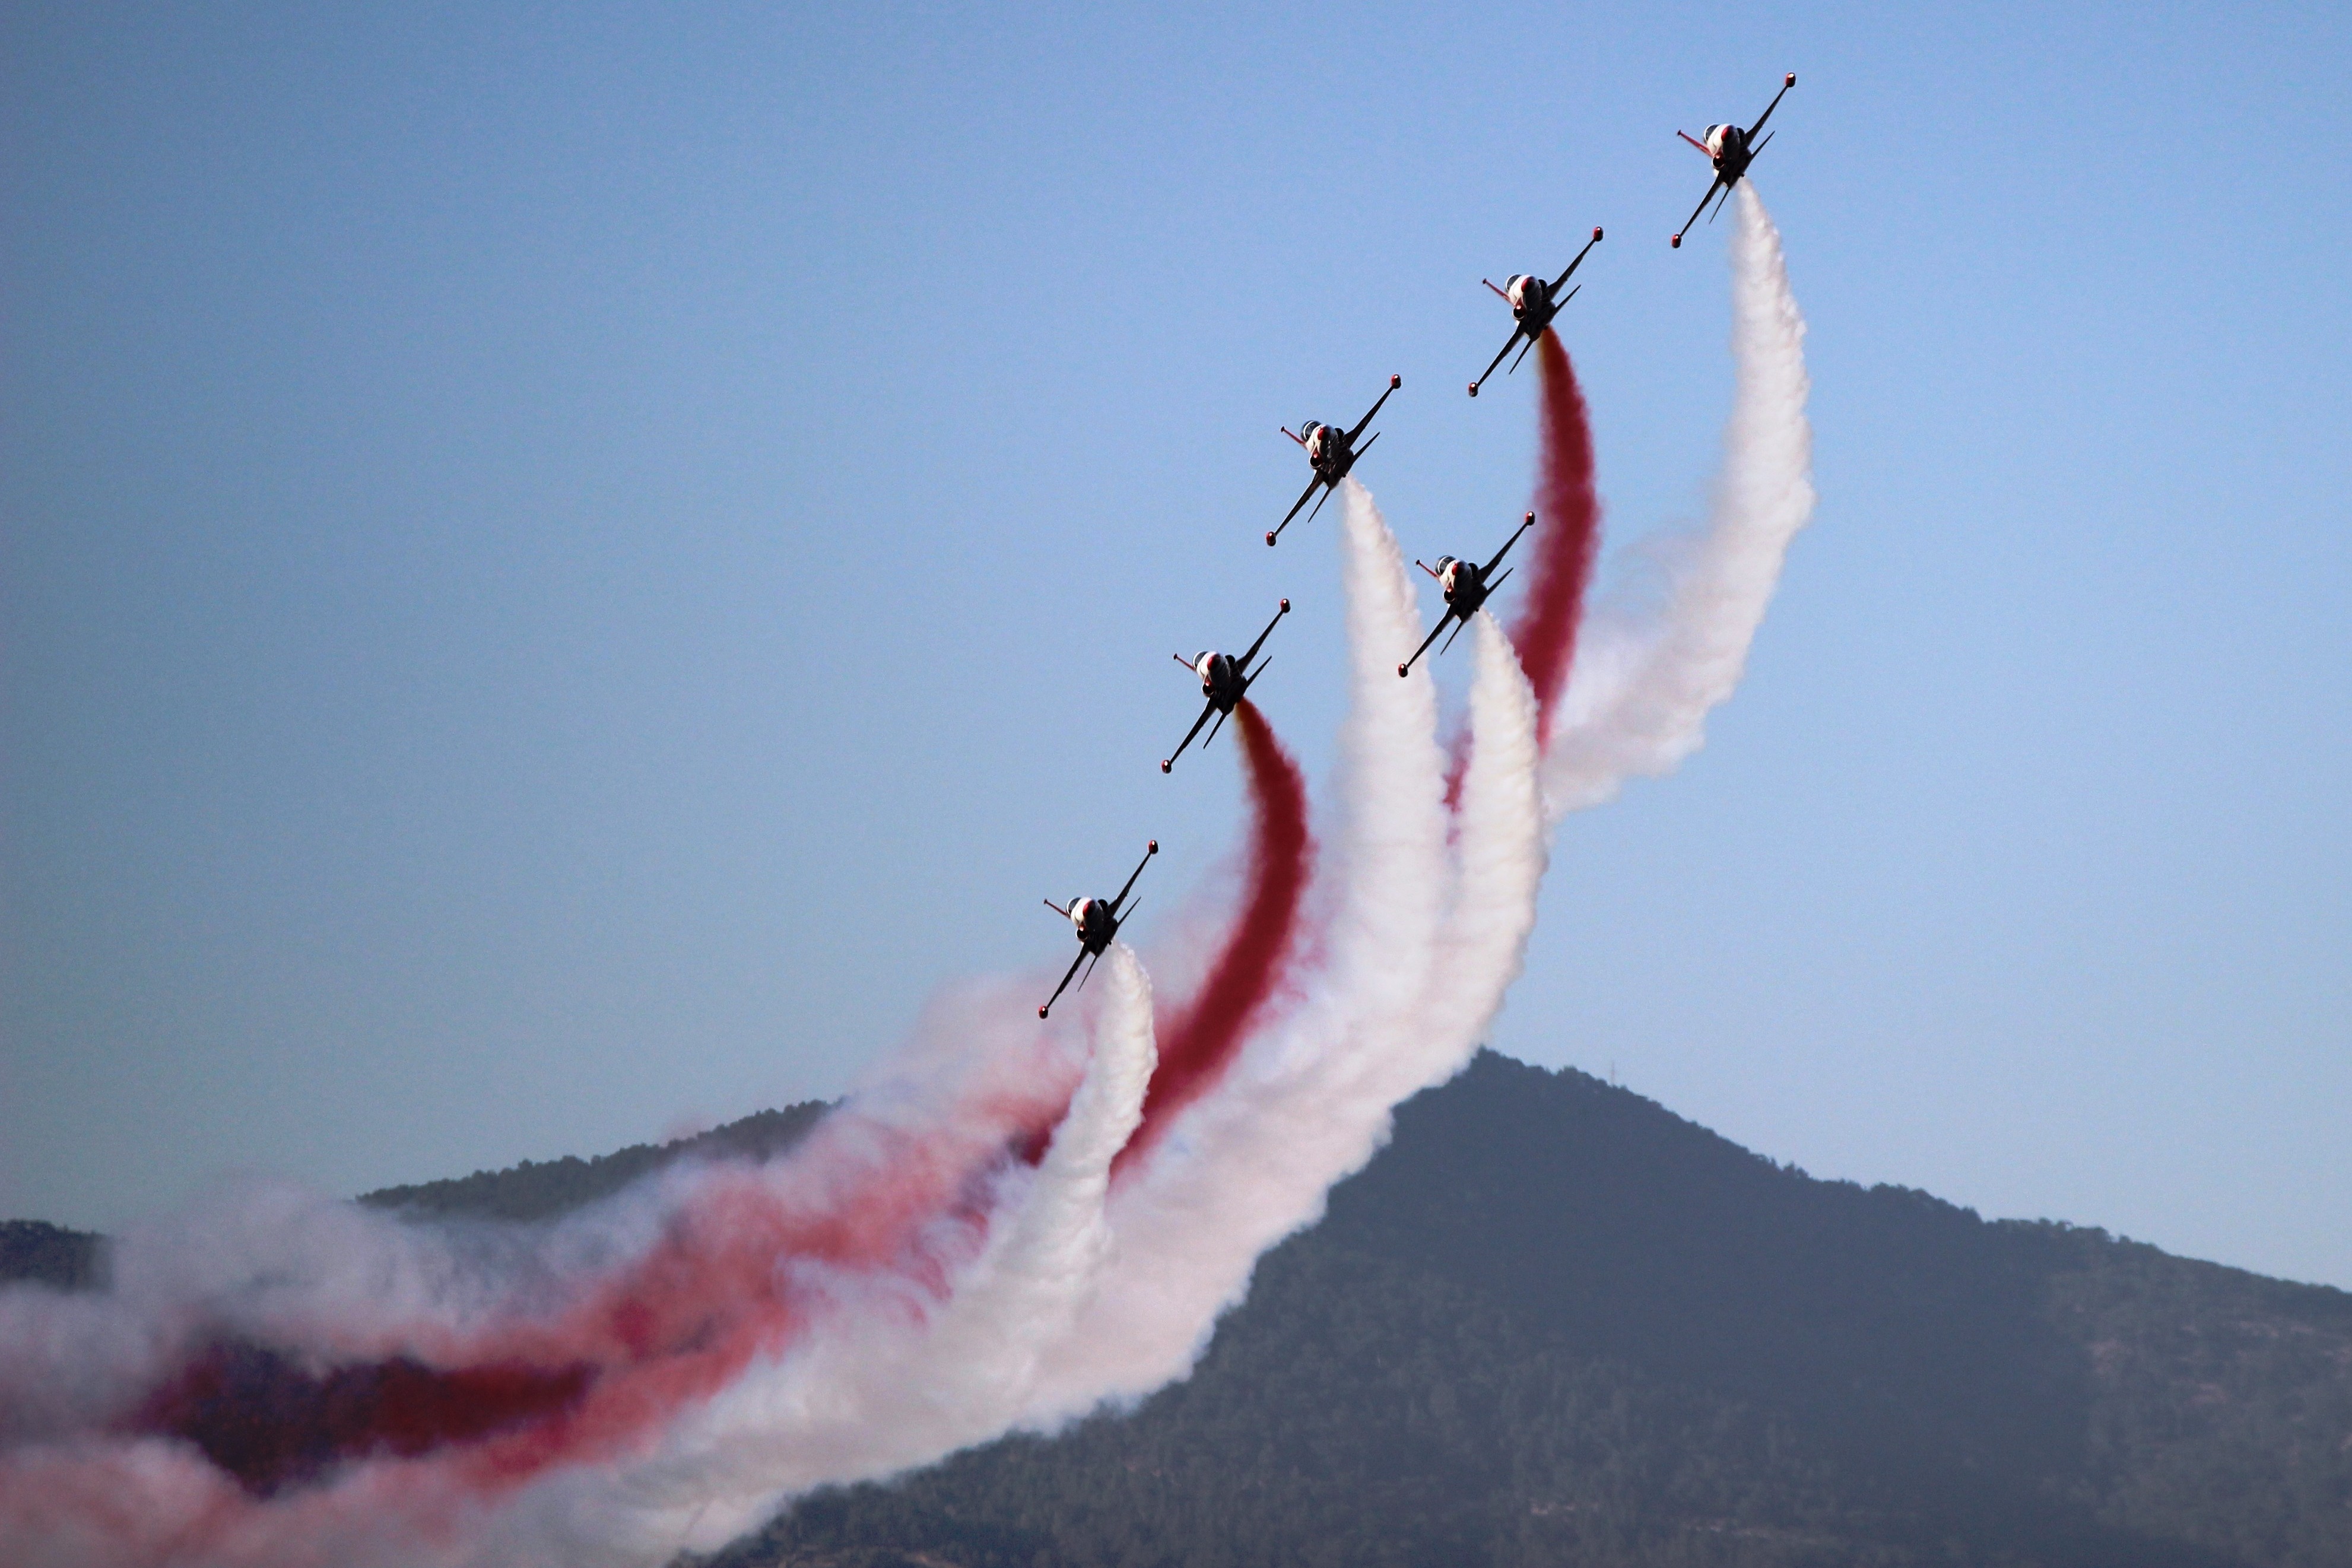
1019, 1217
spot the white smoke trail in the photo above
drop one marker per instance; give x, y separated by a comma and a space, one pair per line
1417, 961
1081, 1293
885, 1378
1638, 698
865, 1399
1501, 845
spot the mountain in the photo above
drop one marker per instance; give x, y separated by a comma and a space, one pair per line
49, 1255
543, 1189
1554, 1323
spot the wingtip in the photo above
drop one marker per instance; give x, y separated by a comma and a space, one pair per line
1395, 382
1474, 389
1151, 848
1286, 607
1596, 234
1041, 1012
1167, 765
1790, 81
1269, 538
1401, 669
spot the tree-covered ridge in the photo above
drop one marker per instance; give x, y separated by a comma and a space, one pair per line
1553, 1323
34, 1251
542, 1189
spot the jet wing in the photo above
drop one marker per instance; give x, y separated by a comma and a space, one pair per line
1488, 569
1406, 666
1517, 334
1394, 381
1304, 497
1768, 108
1207, 709
1574, 265
1718, 185
1065, 985
1140, 864
1265, 633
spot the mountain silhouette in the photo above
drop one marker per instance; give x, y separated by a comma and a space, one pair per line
1552, 1322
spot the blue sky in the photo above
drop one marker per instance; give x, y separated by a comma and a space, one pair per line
564, 568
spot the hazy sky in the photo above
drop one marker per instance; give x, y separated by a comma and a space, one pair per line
563, 568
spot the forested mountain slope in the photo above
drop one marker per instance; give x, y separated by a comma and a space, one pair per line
1553, 1323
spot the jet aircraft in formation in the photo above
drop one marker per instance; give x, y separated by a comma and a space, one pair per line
1731, 149
1225, 681
1332, 452
1097, 921
1465, 585
1533, 303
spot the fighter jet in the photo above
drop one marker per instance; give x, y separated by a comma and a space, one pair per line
1332, 452
1467, 585
1097, 921
1533, 303
1225, 681
1731, 149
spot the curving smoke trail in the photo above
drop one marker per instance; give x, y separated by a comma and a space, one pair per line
948, 1255
863, 1398
1502, 849
897, 1236
1645, 682
1198, 1036
1567, 534
1393, 1001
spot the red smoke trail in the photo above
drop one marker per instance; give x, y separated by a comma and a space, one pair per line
272, 1424
715, 1293
1198, 1040
1568, 535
